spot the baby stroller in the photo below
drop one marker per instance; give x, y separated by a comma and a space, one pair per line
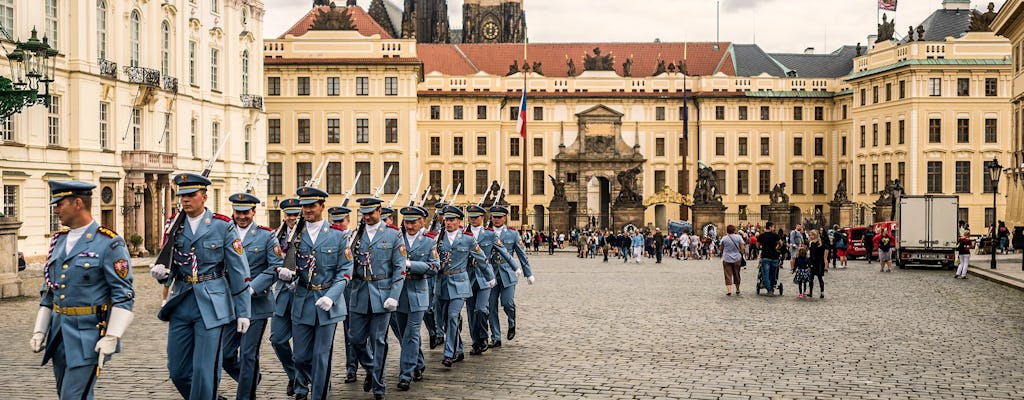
760, 283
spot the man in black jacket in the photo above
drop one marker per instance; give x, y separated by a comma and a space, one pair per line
659, 244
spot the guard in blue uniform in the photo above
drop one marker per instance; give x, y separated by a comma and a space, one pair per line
379, 268
340, 217
86, 297
423, 264
507, 274
318, 301
431, 318
482, 277
262, 250
281, 322
210, 289
387, 215
453, 284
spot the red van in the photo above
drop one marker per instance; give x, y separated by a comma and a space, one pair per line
855, 241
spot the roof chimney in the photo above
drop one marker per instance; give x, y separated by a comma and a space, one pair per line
809, 50
956, 4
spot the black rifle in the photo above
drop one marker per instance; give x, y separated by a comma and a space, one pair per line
295, 240
353, 244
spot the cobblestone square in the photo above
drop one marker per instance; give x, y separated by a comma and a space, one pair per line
594, 330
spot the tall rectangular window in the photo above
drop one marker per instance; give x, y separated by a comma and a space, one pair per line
764, 181
457, 111
274, 131
962, 177
333, 86
874, 95
7, 15
819, 147
395, 181
888, 91
798, 146
819, 113
742, 182
10, 201
901, 171
874, 178
990, 216
192, 50
765, 113
435, 181
459, 182
515, 182
963, 130
194, 137
659, 147
991, 133
963, 87
334, 178
743, 113
362, 86
166, 138
215, 136
513, 113
903, 89
863, 97
104, 123
215, 69
888, 133
481, 181
513, 147
765, 146
538, 113
457, 146
934, 130
934, 176
274, 86
863, 136
303, 173
720, 179
845, 111
538, 182
7, 131
741, 146
303, 131
391, 86
935, 86
988, 186
902, 132
842, 150
538, 147
435, 113
481, 112
719, 113
888, 173
659, 113
798, 181
435, 146
391, 130
362, 130
863, 179
333, 130
963, 214
481, 146
363, 171
719, 146
819, 181
874, 134
991, 90
53, 122
798, 113
52, 24
303, 86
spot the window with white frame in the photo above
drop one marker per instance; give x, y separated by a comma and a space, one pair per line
134, 36
214, 73
53, 122
247, 146
52, 24
192, 62
101, 29
10, 201
165, 48
215, 136
935, 87
166, 139
194, 137
136, 128
104, 124
7, 130
7, 15
245, 71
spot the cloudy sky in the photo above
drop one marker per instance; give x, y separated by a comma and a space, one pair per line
776, 25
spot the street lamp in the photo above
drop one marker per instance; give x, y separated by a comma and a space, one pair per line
994, 170
897, 192
139, 191
32, 62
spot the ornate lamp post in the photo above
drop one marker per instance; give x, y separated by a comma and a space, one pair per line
994, 171
32, 62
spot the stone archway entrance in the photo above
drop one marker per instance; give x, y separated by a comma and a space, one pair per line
601, 172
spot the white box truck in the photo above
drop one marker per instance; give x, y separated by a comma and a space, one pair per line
928, 230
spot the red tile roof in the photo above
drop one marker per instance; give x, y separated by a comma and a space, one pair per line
494, 59
363, 22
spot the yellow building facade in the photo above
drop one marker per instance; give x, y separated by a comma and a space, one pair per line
1010, 24
143, 90
756, 123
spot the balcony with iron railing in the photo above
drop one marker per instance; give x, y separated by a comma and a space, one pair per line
252, 101
108, 68
143, 76
148, 161
170, 84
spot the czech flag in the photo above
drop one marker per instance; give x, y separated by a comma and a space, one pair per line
521, 122
887, 5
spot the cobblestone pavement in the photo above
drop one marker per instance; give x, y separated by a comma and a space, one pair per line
596, 330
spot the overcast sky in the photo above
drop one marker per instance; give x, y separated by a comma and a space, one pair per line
775, 25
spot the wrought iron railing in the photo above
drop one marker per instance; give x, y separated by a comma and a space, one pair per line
252, 101
108, 68
141, 75
170, 84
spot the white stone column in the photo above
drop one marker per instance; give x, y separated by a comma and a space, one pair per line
10, 283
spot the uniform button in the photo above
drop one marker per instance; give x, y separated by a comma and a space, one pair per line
193, 249
213, 246
62, 297
65, 266
87, 265
313, 253
62, 286
61, 276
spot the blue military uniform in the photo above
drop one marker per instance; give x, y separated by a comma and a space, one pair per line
453, 284
339, 214
81, 286
262, 250
415, 298
210, 288
481, 276
505, 290
432, 319
318, 302
281, 322
379, 268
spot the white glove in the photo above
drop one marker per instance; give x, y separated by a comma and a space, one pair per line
492, 283
390, 304
251, 291
285, 274
159, 271
530, 279
292, 284
243, 325
106, 346
325, 303
519, 272
37, 343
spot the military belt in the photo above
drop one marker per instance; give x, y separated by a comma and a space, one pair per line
457, 271
415, 277
322, 286
372, 278
201, 277
83, 310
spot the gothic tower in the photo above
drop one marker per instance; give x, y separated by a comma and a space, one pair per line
493, 21
426, 20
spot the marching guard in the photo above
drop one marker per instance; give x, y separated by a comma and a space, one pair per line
86, 297
453, 285
507, 276
263, 252
340, 217
210, 289
482, 277
415, 298
281, 322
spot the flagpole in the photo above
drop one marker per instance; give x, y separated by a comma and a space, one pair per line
525, 148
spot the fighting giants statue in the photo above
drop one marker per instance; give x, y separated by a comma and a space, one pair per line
629, 192
778, 194
706, 192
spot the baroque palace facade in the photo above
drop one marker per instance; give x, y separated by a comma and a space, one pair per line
930, 109
144, 89
1010, 23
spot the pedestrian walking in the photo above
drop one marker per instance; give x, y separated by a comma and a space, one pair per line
841, 247
884, 242
638, 246
796, 241
684, 245
769, 245
802, 271
817, 251
80, 322
869, 243
732, 259
963, 249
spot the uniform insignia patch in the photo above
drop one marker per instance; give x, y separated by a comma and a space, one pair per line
117, 243
237, 245
266, 228
107, 232
435, 254
478, 249
401, 249
277, 251
220, 217
121, 268
348, 254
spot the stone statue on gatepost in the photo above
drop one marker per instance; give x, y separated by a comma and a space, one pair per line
558, 209
628, 207
884, 203
841, 209
707, 199
778, 206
